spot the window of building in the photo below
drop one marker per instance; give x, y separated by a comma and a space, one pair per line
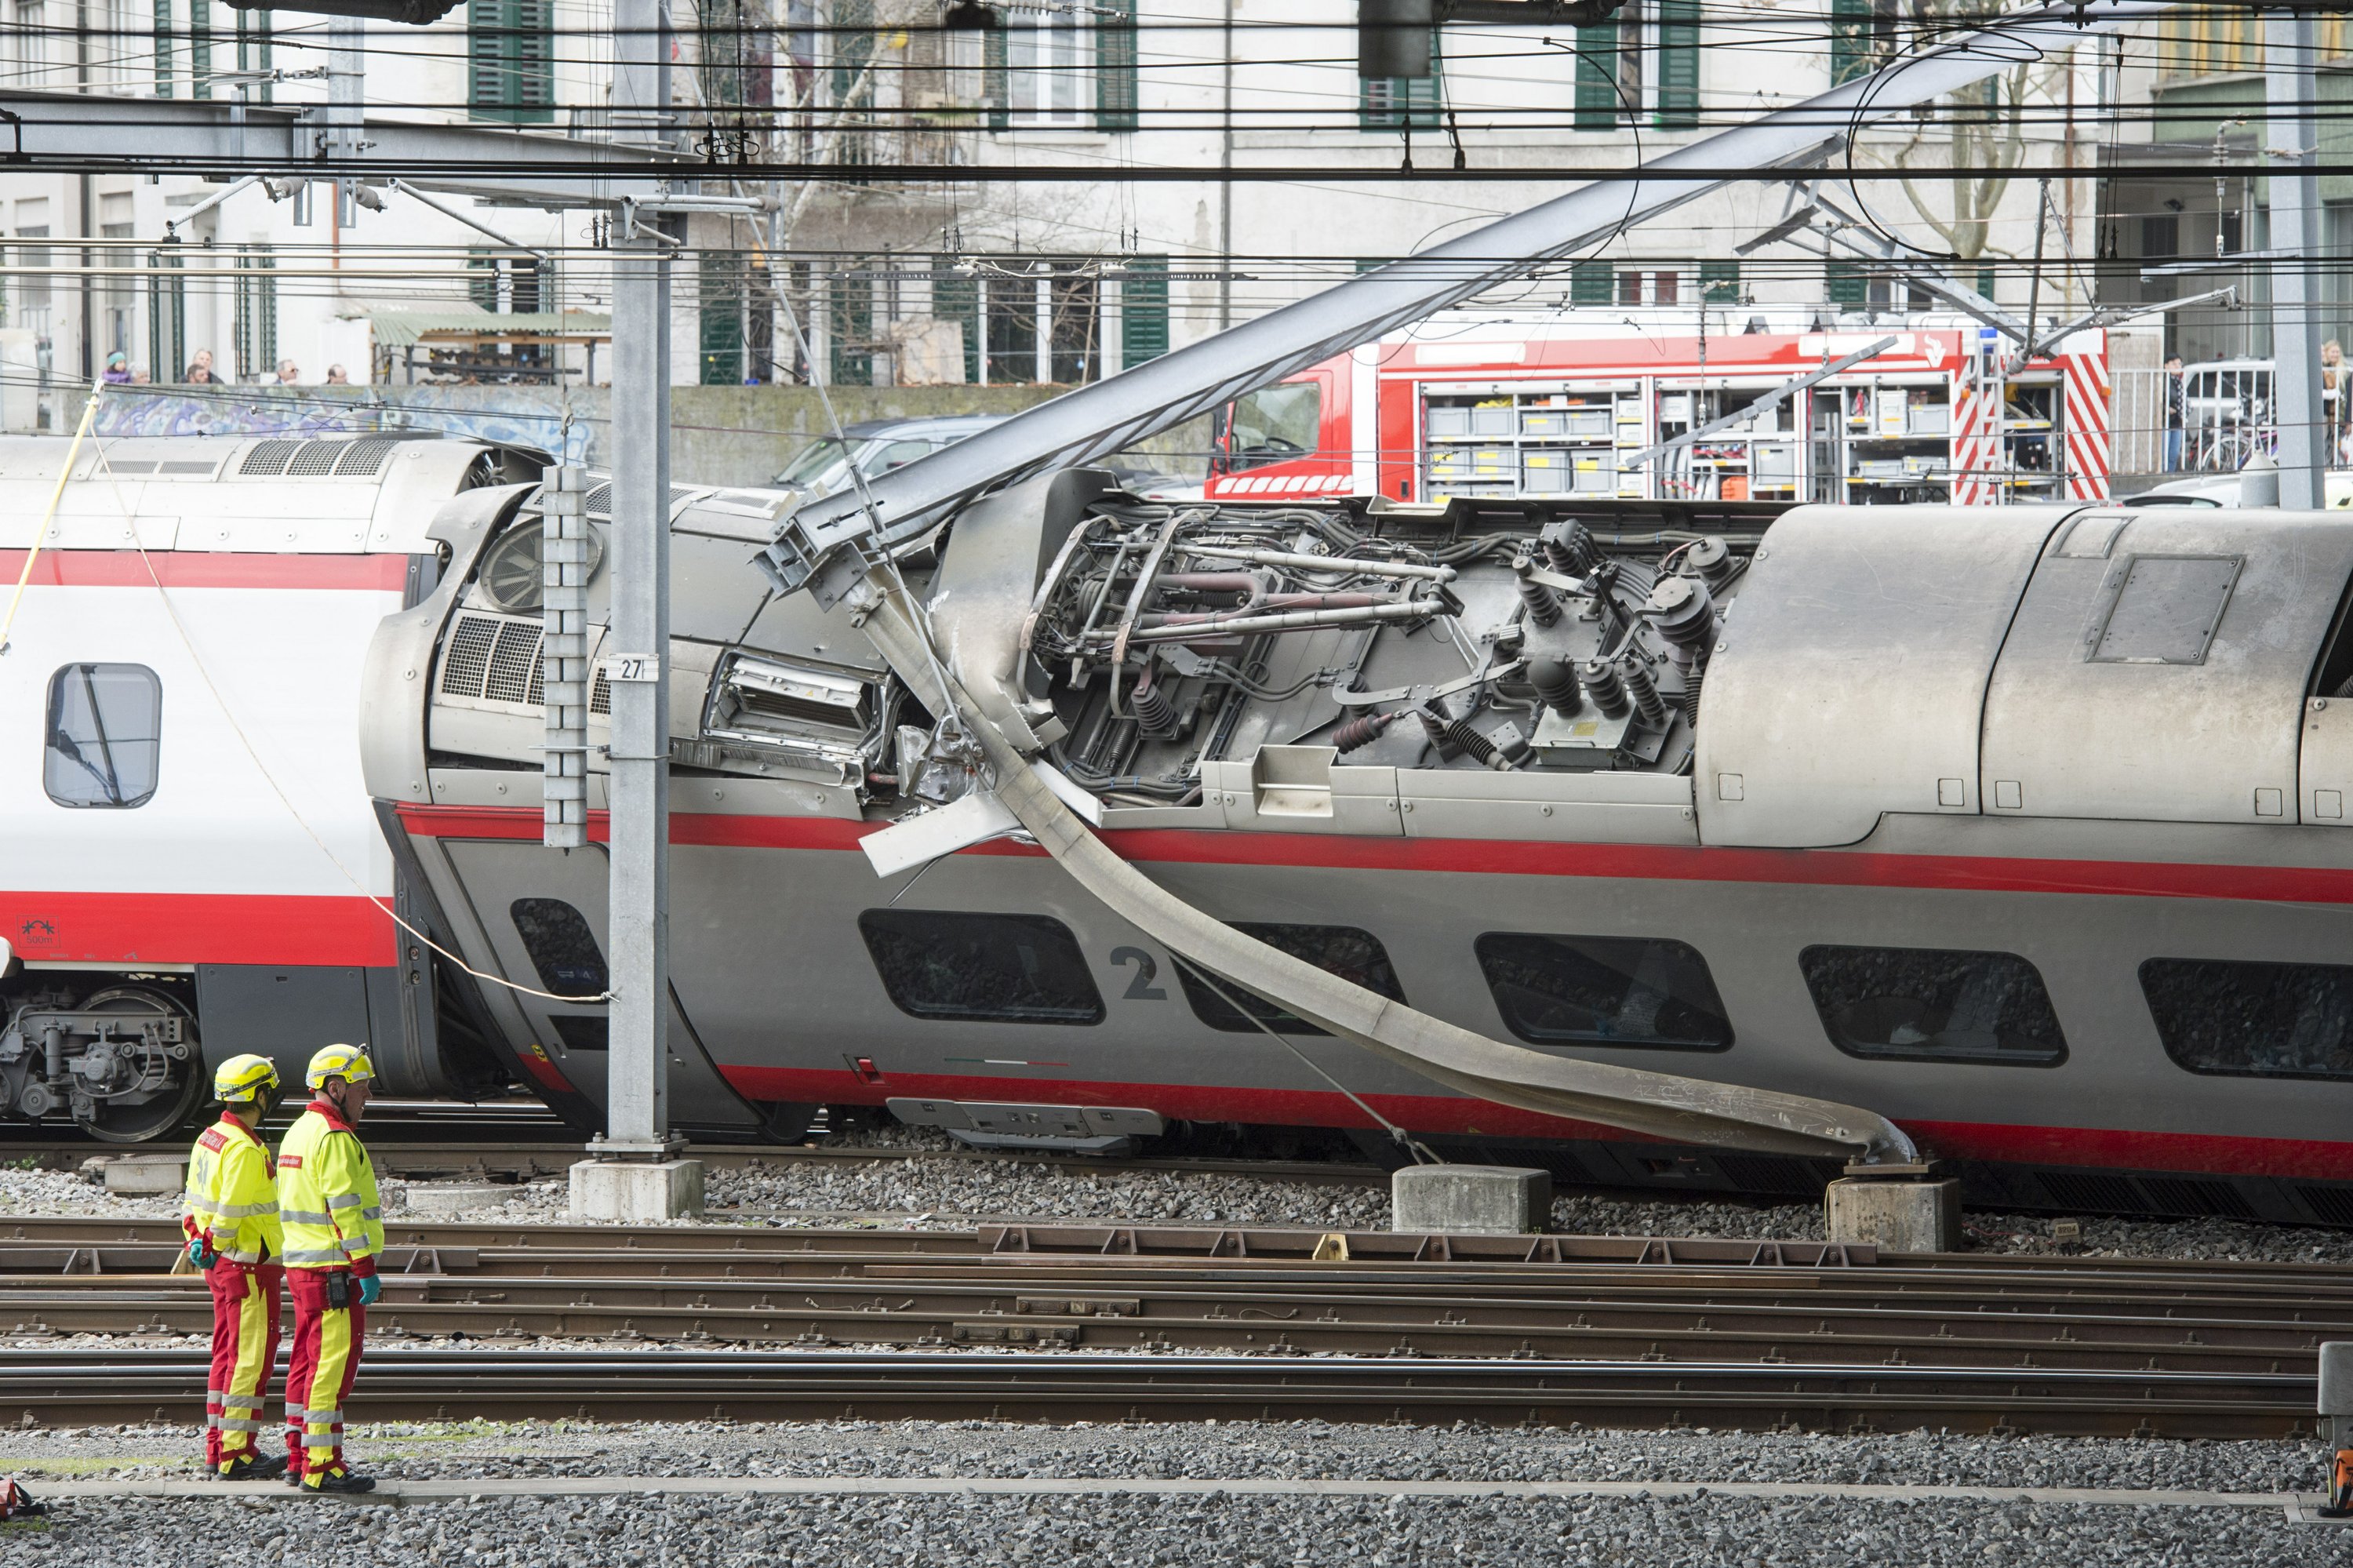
944, 965
1930, 1004
253, 49
1603, 990
1403, 103
1719, 283
2252, 1020
510, 48
1862, 34
1589, 282
200, 48
1355, 955
1049, 67
1677, 103
104, 735
562, 947
163, 61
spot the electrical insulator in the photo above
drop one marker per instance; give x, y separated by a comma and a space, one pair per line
1542, 607
1361, 732
1608, 688
1648, 707
1555, 683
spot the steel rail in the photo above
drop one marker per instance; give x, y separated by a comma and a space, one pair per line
71, 1387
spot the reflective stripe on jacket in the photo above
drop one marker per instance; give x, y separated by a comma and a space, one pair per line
231, 1196
326, 1194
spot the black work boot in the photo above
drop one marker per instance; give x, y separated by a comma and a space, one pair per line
247, 1467
340, 1481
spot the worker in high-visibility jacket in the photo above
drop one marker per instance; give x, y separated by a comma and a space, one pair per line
231, 1221
335, 1233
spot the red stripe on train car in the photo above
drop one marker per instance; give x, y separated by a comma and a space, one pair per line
2194, 1153
195, 929
209, 569
1504, 857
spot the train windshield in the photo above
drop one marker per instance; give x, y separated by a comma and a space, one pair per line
1274, 425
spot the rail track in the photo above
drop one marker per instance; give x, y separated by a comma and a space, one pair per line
1079, 1322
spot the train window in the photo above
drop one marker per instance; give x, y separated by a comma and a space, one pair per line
105, 737
1929, 1004
1343, 950
988, 968
582, 1031
562, 947
2252, 1020
1604, 991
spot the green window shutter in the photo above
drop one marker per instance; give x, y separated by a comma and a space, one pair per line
200, 48
167, 316
997, 80
511, 60
956, 297
854, 53
1719, 283
1845, 283
253, 44
1143, 310
1396, 102
1849, 39
1596, 76
253, 317
719, 282
1115, 100
1678, 65
162, 55
1592, 283
534, 55
483, 276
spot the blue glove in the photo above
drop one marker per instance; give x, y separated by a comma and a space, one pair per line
201, 1252
370, 1289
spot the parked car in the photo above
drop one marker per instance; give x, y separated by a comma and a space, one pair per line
875, 447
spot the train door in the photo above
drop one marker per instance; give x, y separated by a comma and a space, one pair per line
553, 938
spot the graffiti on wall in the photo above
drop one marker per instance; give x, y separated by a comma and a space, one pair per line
549, 421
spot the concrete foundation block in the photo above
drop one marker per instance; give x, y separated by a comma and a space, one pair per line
631, 1192
1896, 1216
460, 1197
1495, 1200
145, 1175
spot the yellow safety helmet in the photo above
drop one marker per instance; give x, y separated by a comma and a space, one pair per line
246, 1077
349, 1063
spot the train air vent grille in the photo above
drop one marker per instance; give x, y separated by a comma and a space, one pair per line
536, 694
268, 458
118, 467
466, 662
2329, 1205
365, 456
514, 662
2177, 1195
1767, 1173
204, 468
317, 457
2088, 1191
600, 695
600, 500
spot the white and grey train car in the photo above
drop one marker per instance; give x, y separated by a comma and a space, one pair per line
2023, 826
190, 865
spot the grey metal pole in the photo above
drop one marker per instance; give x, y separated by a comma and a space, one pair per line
2290, 138
637, 661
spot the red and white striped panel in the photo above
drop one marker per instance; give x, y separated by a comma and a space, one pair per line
2085, 377
1977, 446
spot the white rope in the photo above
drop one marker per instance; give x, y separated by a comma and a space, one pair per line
204, 674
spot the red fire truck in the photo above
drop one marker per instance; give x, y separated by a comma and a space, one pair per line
1946, 410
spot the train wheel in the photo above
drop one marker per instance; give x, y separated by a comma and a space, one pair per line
136, 1115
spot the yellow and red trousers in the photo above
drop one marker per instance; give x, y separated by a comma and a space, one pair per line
319, 1370
245, 1347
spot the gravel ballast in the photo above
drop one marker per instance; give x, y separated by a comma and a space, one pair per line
1668, 1531
939, 1189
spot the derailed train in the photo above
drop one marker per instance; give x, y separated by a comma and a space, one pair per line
2021, 826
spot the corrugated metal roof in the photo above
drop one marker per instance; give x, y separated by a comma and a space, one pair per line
398, 329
